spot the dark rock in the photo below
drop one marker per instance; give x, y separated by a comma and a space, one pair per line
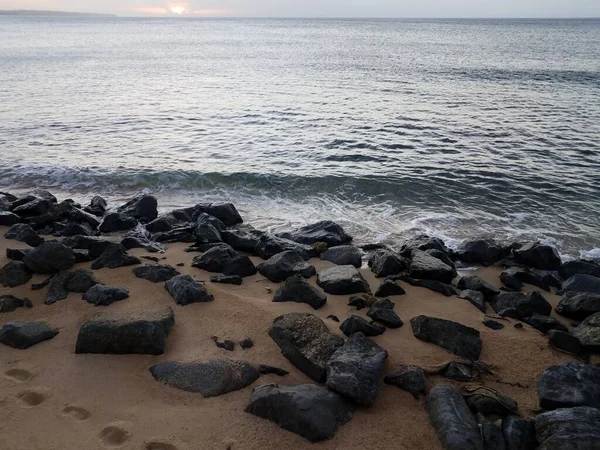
80, 216
263, 369
225, 212
227, 279
117, 222
244, 238
167, 222
297, 289
268, 246
156, 274
475, 283
385, 316
42, 284
442, 256
23, 335
9, 303
510, 279
185, 290
588, 333
145, 333
210, 378
433, 285
519, 326
482, 252
459, 371
57, 290
142, 208
519, 434
24, 233
101, 295
325, 231
451, 418
94, 245
410, 379
569, 429
284, 265
138, 237
492, 324
342, 280
519, 305
305, 341
354, 370
538, 256
386, 262
113, 257
225, 260
491, 434
76, 229
361, 301
544, 323
50, 257
224, 344
343, 255
246, 343
514, 278
8, 219
203, 247
423, 242
389, 287
570, 268
203, 218
61, 284
183, 234
356, 324
207, 229
151, 258
17, 254
564, 341
476, 298
459, 339
425, 266
97, 206
334, 318
15, 273
568, 385
581, 283
230, 278
311, 411
35, 207
488, 401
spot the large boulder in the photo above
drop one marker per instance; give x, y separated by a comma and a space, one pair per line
306, 342
9, 303
355, 369
459, 339
297, 289
519, 434
225, 212
342, 280
425, 266
34, 207
284, 265
452, 420
223, 259
538, 256
569, 429
343, 255
8, 219
386, 262
581, 283
565, 342
24, 233
23, 335
514, 278
410, 379
139, 237
206, 229
101, 295
570, 268
50, 257
357, 324
15, 273
475, 283
113, 257
243, 238
311, 411
268, 246
588, 333
519, 305
481, 251
143, 208
185, 290
156, 273
568, 385
143, 333
80, 216
423, 242
578, 305
324, 231
210, 378
117, 222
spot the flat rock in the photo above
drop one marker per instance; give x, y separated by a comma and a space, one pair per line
544, 323
113, 257
519, 434
24, 233
427, 267
9, 303
578, 305
101, 295
564, 341
389, 287
519, 305
23, 335
210, 378
268, 246
357, 324
433, 285
117, 222
223, 259
475, 283
588, 333
581, 283
343, 255
185, 290
476, 298
227, 279
569, 385
284, 265
481, 251
143, 333
156, 273
385, 262
492, 324
569, 429
410, 379
459, 339
342, 280
538, 256
305, 341
50, 257
297, 289
142, 208
15, 273
324, 231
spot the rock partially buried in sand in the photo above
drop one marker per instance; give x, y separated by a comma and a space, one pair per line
544, 323
343, 255
388, 288
519, 434
588, 333
568, 385
571, 268
284, 265
62, 283
14, 274
565, 342
97, 206
264, 369
324, 231
433, 285
569, 429
113, 257
425, 266
227, 279
475, 283
243, 238
356, 324
156, 274
386, 262
9, 303
578, 305
410, 379
492, 324
297, 289
24, 233
342, 280
382, 311
50, 257
23, 335
8, 219
519, 305
459, 339
311, 411
185, 290
452, 420
143, 333
223, 259
306, 342
101, 295
210, 378
538, 256
476, 298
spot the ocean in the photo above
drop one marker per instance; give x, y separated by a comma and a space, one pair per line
456, 128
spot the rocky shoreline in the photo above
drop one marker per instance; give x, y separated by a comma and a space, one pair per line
62, 247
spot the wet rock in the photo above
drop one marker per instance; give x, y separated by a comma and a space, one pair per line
459, 339
488, 401
514, 279
9, 303
113, 257
343, 255
481, 251
452, 420
476, 299
325, 231
519, 434
15, 273
205, 231
225, 212
246, 343
588, 333
544, 323
423, 242
8, 219
297, 289
581, 283
568, 385
35, 207
425, 266
143, 333
443, 256
225, 260
24, 233
101, 295
23, 335
311, 411
519, 305
384, 315
570, 268
386, 262
356, 324
578, 305
475, 283
491, 434
225, 344
389, 287
142, 208
79, 216
264, 369
97, 206
117, 222
244, 238
354, 370
305, 341
156, 273
185, 290
138, 237
492, 324
564, 341
342, 280
410, 379
433, 285
167, 222
538, 256
569, 429
284, 265
183, 234
268, 246
50, 257
227, 279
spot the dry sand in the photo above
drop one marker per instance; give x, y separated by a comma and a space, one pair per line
53, 399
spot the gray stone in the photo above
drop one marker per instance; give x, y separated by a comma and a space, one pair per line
23, 335
492, 435
227, 279
476, 299
519, 305
588, 333
425, 266
578, 305
324, 231
356, 324
101, 295
581, 283
156, 273
564, 341
538, 256
342, 280
389, 287
459, 339
488, 401
410, 379
481, 251
15, 273
268, 246
568, 385
433, 285
569, 429
297, 289
225, 212
24, 233
492, 324
284, 265
223, 259
383, 315
117, 222
113, 257
9, 303
386, 262
475, 283
519, 434
544, 323
343, 255
142, 208
50, 257
185, 290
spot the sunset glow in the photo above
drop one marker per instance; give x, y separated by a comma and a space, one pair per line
177, 9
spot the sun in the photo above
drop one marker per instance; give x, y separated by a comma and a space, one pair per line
177, 10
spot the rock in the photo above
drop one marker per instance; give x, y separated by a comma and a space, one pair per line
305, 341
410, 379
389, 287
42, 284
8, 219
61, 284
227, 279
113, 257
76, 229
519, 434
544, 323
225, 212
142, 208
268, 246
97, 206
361, 301
519, 305
156, 273
423, 242
564, 341
297, 289
581, 283
117, 222
334, 318
459, 339
17, 254
311, 411
386, 316
210, 378
491, 434
185, 290
475, 283
442, 256
203, 218
354, 370
225, 260
246, 343
588, 333
80, 216
144, 333
433, 285
263, 369
476, 299
510, 279
325, 231
23, 335
24, 233
343, 255
138, 237
101, 295
481, 251
514, 279
578, 305
425, 266
94, 245
9, 303
166, 222
356, 324
15, 273
570, 268
569, 385
35, 207
459, 371
224, 344
284, 265
50, 257
244, 238
488, 401
342, 280
386, 262
57, 290
205, 231
569, 429
492, 324
452, 420
538, 256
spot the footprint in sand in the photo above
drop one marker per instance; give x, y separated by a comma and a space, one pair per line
18, 375
114, 435
158, 445
33, 397
76, 413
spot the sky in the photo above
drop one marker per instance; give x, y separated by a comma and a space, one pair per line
321, 8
